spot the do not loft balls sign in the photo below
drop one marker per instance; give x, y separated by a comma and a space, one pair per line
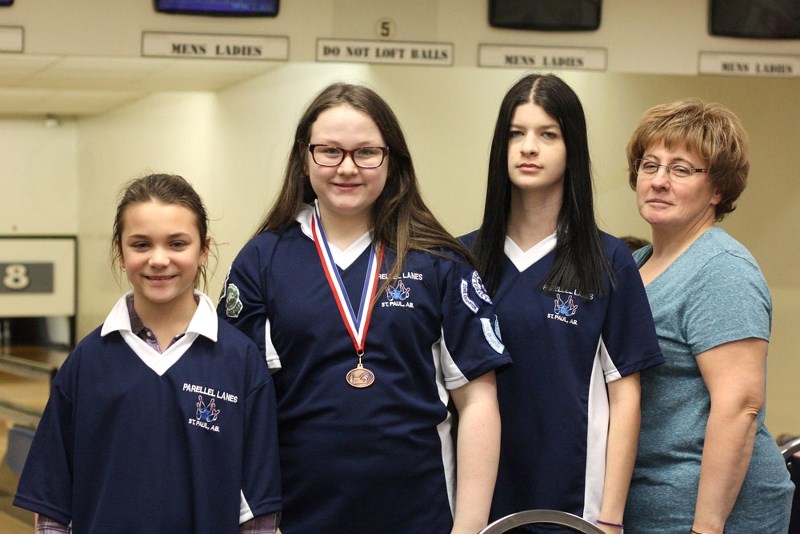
384, 52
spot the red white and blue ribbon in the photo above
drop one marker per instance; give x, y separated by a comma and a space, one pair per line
356, 323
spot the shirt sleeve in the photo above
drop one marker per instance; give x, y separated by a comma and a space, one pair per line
727, 301
46, 525
261, 483
472, 344
45, 485
243, 301
263, 524
629, 333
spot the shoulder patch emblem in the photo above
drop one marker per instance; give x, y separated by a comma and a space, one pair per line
497, 327
233, 305
491, 338
468, 302
480, 289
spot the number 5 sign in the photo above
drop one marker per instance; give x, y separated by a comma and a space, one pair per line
37, 276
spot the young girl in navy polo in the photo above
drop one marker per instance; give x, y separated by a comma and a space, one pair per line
163, 419
374, 325
573, 310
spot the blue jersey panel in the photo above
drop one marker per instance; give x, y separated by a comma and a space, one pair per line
379, 458
122, 449
553, 401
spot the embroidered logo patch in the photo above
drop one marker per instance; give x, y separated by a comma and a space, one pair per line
468, 302
566, 308
398, 294
205, 414
233, 305
398, 291
491, 337
480, 289
497, 328
563, 310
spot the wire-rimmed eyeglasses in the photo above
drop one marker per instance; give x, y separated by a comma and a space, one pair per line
365, 157
676, 171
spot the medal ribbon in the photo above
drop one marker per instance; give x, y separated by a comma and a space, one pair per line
356, 324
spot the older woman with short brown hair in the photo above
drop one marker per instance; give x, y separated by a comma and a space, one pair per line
706, 461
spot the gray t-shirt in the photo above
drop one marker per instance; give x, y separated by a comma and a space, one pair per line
712, 294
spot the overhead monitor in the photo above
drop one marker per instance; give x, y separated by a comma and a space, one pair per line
226, 8
545, 15
755, 19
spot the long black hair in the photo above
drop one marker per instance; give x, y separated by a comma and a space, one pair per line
579, 262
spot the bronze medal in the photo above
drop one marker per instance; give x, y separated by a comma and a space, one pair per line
360, 377
356, 324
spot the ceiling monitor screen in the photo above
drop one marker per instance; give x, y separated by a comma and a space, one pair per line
755, 19
226, 8
545, 15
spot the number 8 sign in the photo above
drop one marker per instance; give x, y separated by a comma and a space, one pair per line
28, 277
16, 276
37, 276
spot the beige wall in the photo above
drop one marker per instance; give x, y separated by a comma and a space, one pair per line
232, 145
38, 168
645, 36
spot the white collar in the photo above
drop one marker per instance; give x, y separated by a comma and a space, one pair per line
524, 259
342, 258
204, 323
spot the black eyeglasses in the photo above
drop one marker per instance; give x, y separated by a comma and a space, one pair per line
677, 171
366, 157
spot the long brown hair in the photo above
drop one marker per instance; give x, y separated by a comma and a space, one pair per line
399, 219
